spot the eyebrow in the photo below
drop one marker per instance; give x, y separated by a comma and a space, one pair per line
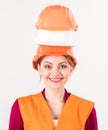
59, 63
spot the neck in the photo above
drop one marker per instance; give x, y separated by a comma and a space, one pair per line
54, 95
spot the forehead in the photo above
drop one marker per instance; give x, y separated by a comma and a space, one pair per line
54, 58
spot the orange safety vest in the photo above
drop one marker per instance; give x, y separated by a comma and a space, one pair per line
36, 114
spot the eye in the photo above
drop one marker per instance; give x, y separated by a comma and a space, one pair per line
47, 66
63, 66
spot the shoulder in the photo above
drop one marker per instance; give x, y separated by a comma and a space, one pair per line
29, 98
82, 105
81, 100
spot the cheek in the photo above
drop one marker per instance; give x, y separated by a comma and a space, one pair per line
44, 73
67, 73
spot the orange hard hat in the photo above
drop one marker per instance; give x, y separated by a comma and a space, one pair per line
56, 17
56, 25
44, 50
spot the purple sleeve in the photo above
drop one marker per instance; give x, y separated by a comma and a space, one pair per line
91, 123
15, 122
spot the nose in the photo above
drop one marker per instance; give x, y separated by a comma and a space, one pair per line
55, 71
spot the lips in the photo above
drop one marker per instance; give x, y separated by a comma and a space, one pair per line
55, 80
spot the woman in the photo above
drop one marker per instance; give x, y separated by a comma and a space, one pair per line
54, 108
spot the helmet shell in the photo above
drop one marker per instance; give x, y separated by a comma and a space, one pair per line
56, 17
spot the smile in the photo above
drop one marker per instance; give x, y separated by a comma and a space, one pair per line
55, 80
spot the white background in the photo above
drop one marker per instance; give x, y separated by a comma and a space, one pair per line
17, 48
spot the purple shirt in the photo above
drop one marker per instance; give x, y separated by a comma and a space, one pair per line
16, 122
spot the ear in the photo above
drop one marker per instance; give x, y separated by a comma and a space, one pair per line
71, 70
39, 69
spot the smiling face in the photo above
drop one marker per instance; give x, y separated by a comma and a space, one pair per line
55, 71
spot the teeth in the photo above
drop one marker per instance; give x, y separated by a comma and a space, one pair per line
57, 79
